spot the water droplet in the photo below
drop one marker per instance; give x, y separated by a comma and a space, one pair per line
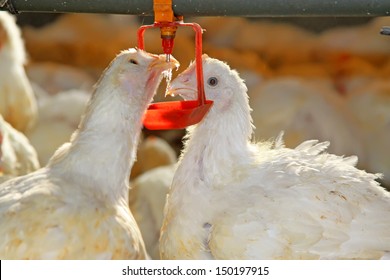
168, 77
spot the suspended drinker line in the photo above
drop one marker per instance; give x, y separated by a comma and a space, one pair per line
175, 114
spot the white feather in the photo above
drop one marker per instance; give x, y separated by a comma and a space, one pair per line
76, 207
18, 105
235, 199
17, 155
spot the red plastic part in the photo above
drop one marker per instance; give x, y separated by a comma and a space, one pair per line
167, 44
178, 114
175, 115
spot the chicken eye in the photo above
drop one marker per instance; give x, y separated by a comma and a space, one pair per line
213, 81
133, 61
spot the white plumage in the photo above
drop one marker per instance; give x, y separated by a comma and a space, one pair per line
152, 152
54, 77
59, 116
152, 175
371, 106
234, 199
347, 40
147, 200
77, 206
17, 156
17, 101
305, 110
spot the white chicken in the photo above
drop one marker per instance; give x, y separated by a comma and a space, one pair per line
59, 116
222, 31
234, 199
17, 102
305, 110
77, 206
96, 41
346, 40
62, 93
147, 200
278, 43
152, 173
17, 156
54, 77
152, 152
151, 177
371, 106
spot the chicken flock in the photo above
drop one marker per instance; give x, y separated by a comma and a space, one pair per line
291, 162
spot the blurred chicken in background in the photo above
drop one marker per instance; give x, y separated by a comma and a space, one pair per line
17, 102
371, 106
305, 110
17, 155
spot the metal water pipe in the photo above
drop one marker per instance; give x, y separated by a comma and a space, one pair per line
242, 8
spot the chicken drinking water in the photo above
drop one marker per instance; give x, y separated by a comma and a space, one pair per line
232, 198
76, 207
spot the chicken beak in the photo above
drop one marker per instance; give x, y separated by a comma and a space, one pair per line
183, 86
177, 87
171, 91
160, 62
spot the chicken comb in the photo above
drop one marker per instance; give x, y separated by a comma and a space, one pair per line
175, 114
